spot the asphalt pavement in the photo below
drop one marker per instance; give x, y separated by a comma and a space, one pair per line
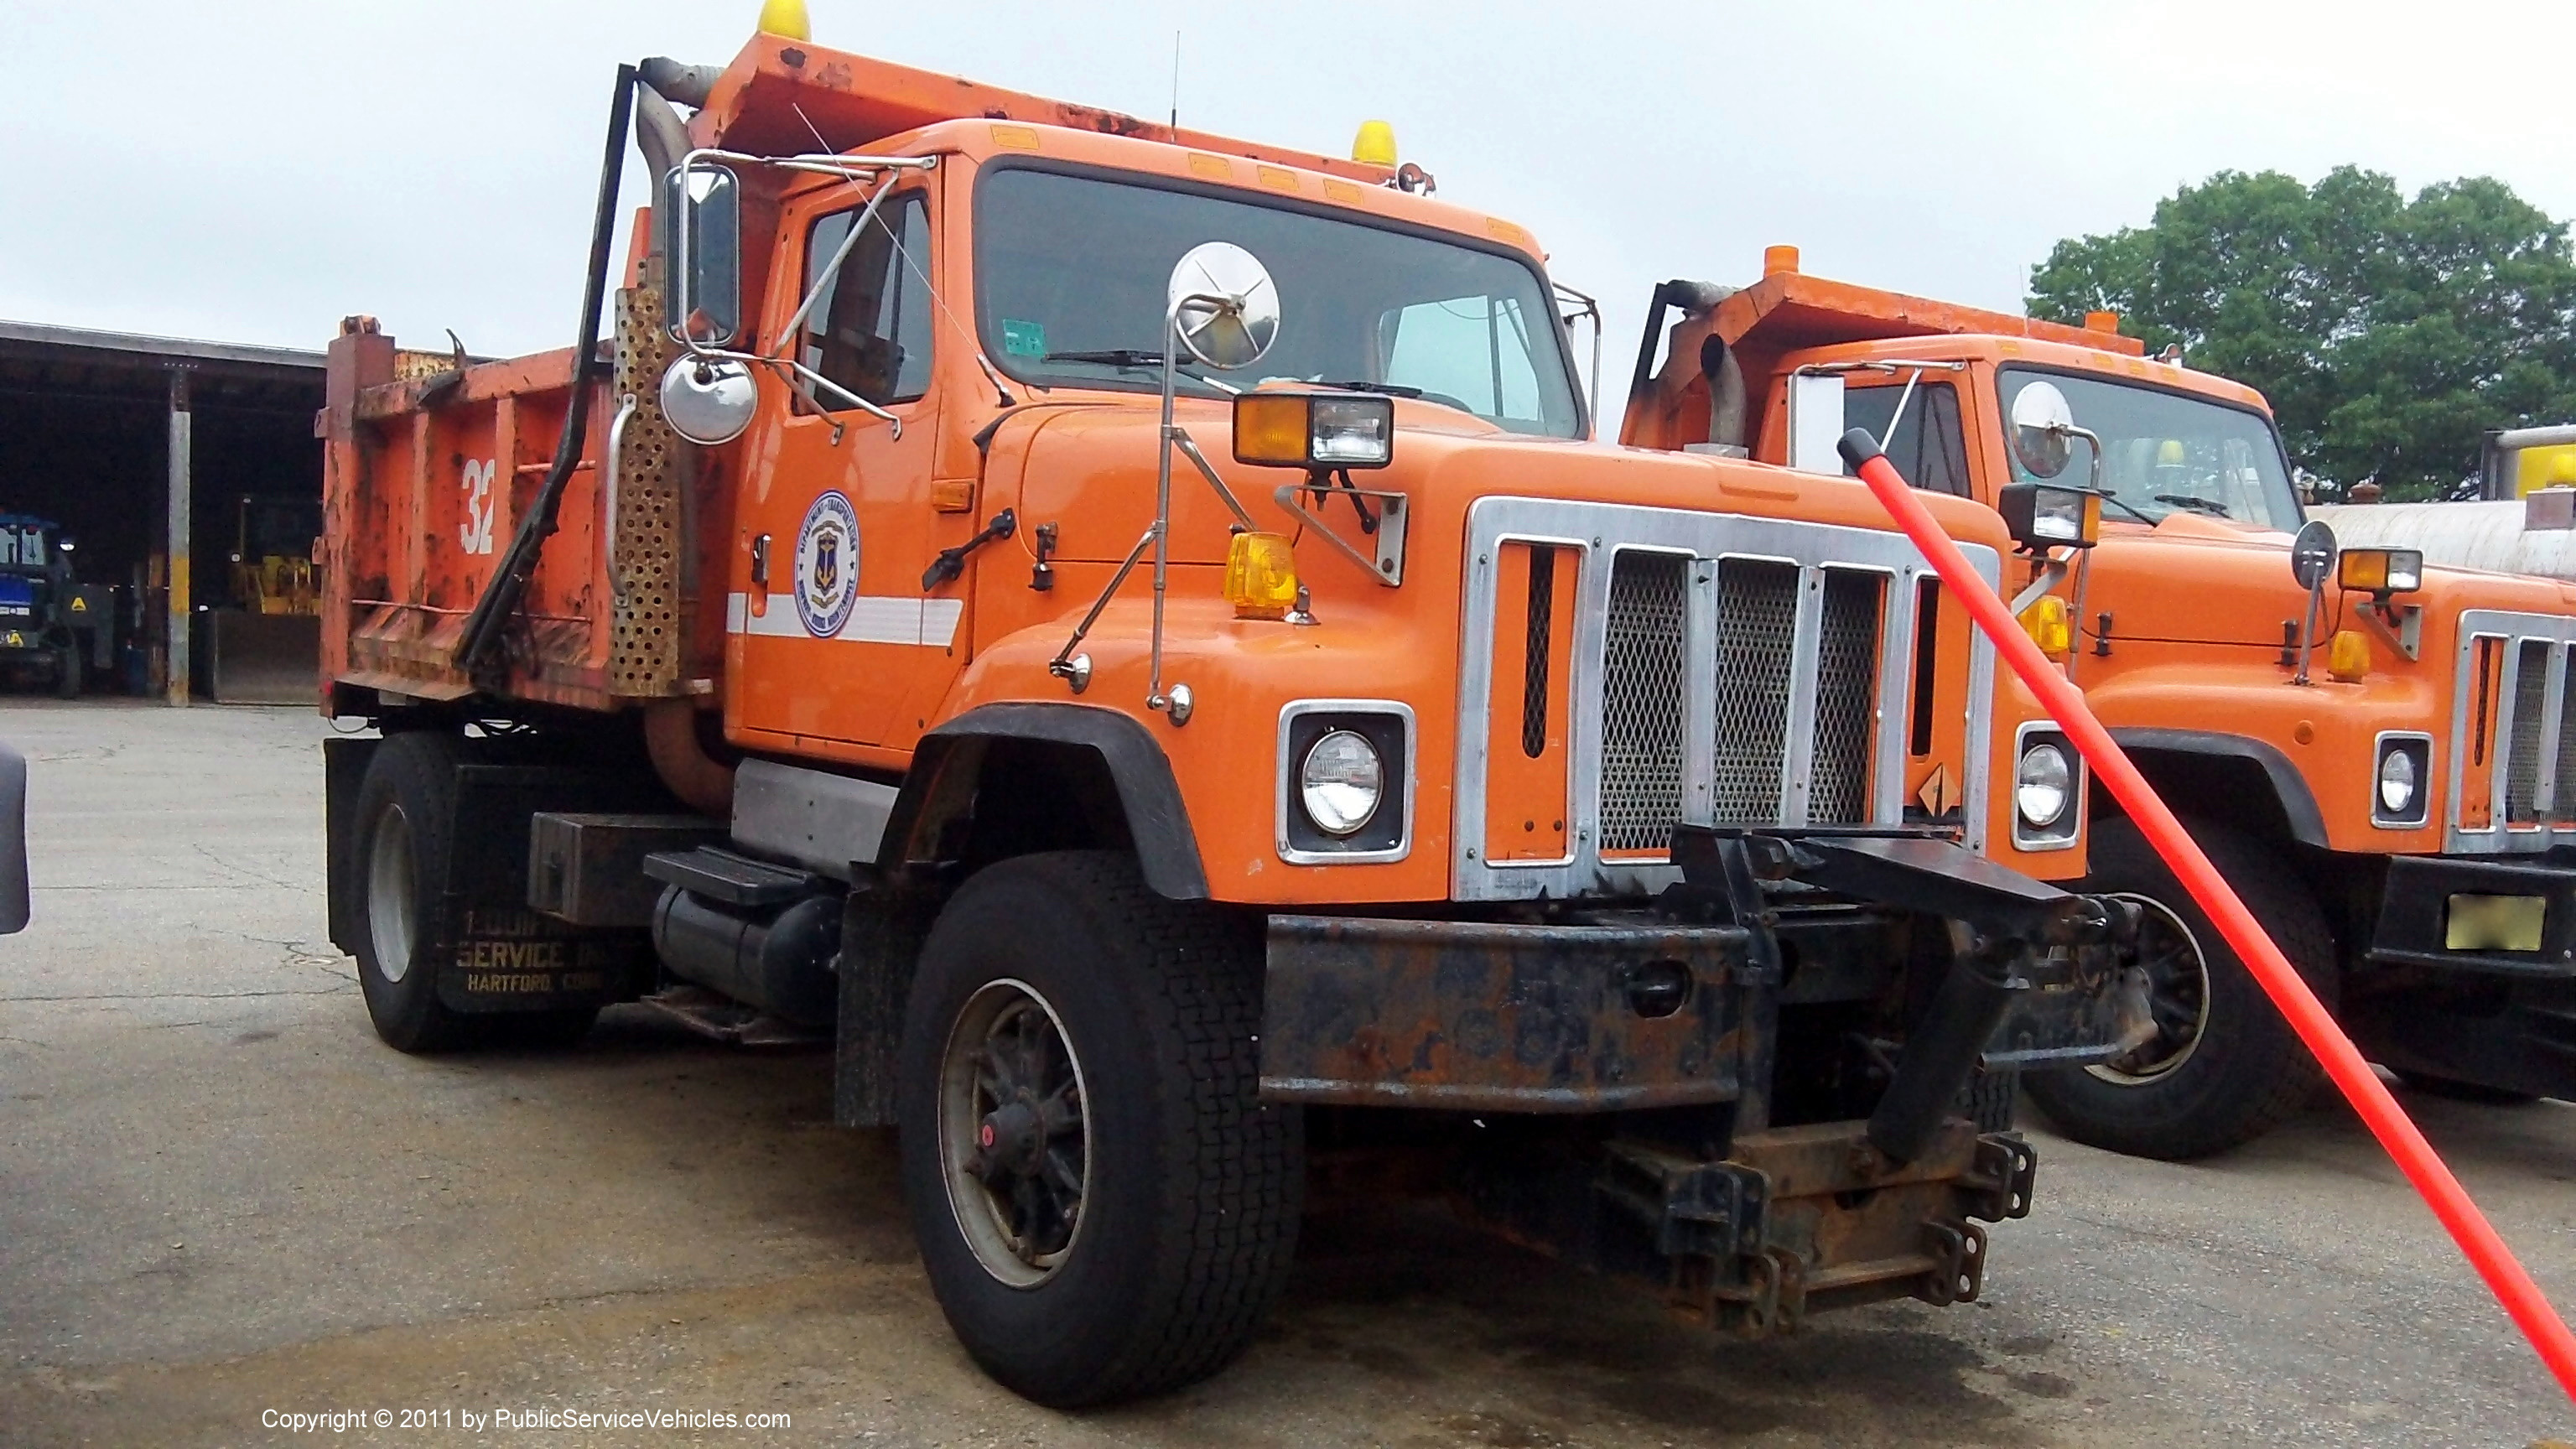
222, 1201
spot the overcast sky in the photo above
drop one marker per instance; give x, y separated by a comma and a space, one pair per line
251, 171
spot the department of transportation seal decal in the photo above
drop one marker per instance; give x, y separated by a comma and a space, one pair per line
827, 565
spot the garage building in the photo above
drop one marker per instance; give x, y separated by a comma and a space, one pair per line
127, 442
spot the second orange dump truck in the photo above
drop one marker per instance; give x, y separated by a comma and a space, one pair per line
2384, 766
1123, 633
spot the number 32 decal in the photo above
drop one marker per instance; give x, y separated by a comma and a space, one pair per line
476, 531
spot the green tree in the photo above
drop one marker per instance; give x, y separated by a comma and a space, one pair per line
2387, 333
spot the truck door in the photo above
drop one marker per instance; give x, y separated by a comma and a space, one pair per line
828, 618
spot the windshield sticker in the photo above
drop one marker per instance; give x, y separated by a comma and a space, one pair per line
827, 565
1023, 339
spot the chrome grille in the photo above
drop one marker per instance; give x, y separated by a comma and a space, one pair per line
1757, 629
2524, 798
1846, 699
2522, 762
1641, 701
2562, 809
1723, 668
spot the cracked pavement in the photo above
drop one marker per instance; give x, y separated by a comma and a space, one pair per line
220, 1195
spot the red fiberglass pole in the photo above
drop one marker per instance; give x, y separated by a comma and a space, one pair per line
2415, 1157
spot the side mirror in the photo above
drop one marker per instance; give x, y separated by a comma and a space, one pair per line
2313, 552
14, 909
2043, 429
1223, 305
705, 291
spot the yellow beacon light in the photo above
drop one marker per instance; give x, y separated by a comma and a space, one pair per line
1375, 145
2049, 626
1260, 576
786, 19
2348, 656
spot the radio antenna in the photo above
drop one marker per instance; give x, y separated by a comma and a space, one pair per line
1176, 83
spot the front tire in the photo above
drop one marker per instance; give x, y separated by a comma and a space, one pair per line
1104, 1206
405, 811
2225, 1066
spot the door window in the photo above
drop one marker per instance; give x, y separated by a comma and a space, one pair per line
1927, 445
871, 331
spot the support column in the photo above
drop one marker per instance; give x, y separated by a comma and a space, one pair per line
177, 684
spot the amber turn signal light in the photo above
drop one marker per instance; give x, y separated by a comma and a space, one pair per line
2381, 570
1260, 576
1314, 429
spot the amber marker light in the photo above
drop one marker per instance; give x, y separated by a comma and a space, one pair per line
1260, 576
2050, 626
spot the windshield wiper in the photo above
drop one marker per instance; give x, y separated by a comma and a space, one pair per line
1410, 394
2130, 509
2195, 503
1137, 359
1119, 357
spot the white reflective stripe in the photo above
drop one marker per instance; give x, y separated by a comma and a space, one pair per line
928, 623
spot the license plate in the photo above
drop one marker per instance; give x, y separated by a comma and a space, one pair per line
2494, 923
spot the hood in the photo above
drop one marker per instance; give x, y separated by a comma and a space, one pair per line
2202, 580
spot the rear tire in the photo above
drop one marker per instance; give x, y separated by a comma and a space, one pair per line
2225, 1067
1104, 1206
405, 811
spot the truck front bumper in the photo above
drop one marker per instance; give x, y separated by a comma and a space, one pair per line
1584, 1046
2484, 914
2472, 973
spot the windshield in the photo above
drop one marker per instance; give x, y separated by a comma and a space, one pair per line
2163, 452
1071, 273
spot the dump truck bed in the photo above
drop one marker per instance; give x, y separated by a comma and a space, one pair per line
427, 479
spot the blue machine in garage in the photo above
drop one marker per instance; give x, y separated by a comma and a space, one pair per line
51, 626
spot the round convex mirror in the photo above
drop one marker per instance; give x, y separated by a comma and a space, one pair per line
2043, 423
2312, 553
1224, 305
708, 400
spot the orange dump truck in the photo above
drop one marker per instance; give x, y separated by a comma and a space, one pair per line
2384, 765
1121, 631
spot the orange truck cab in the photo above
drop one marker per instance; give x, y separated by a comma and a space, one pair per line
1124, 633
2376, 764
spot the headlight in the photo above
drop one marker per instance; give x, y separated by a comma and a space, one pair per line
2040, 515
2401, 784
2397, 783
2381, 570
2043, 785
1313, 430
1341, 782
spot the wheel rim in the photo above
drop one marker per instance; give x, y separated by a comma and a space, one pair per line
2177, 996
1014, 1133
389, 888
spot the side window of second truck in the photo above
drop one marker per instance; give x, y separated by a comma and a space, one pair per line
1928, 446
871, 331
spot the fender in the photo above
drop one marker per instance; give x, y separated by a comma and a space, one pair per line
1166, 848
2289, 787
